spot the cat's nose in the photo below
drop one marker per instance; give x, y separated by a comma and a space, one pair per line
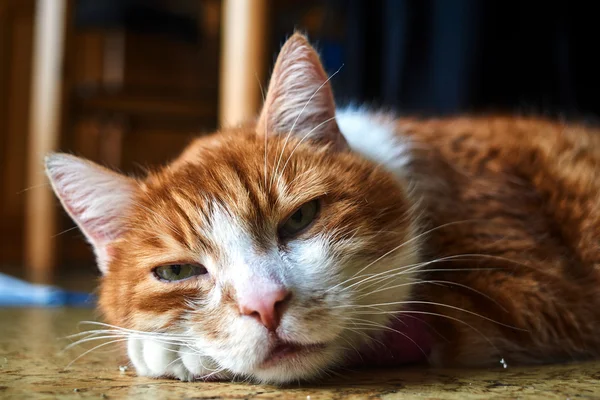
267, 306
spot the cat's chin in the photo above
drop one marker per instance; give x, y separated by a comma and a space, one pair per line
287, 352
289, 362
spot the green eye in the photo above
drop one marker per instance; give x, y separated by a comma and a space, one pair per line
178, 272
300, 219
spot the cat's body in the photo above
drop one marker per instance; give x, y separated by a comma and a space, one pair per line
525, 194
313, 239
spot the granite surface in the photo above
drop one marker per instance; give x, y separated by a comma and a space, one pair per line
32, 366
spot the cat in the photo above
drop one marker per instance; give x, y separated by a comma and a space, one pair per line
314, 238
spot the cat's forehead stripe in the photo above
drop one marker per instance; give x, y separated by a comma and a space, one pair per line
233, 184
230, 175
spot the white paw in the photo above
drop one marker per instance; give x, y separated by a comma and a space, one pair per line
154, 357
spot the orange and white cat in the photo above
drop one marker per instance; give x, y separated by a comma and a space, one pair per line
315, 238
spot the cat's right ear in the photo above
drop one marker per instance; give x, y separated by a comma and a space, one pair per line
95, 197
300, 100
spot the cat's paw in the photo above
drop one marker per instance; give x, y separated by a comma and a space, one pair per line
159, 359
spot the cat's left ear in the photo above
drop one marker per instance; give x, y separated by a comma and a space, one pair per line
300, 100
95, 197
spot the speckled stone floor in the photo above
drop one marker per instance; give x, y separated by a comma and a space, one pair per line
32, 366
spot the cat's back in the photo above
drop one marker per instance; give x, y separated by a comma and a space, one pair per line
481, 142
520, 199
538, 176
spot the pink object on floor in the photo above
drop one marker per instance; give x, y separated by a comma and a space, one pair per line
408, 341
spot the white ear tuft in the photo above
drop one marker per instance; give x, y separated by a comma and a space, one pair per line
95, 197
300, 100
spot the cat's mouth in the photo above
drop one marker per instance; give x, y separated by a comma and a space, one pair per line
285, 351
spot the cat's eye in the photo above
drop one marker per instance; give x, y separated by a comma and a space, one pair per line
299, 220
178, 272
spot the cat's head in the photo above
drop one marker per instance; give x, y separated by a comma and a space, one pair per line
261, 244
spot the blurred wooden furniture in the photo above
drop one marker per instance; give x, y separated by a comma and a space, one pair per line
243, 56
16, 31
44, 133
119, 98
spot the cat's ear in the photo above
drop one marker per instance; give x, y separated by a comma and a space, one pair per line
95, 197
300, 100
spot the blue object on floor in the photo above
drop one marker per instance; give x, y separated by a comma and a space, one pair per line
18, 293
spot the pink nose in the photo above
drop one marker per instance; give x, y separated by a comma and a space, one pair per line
267, 306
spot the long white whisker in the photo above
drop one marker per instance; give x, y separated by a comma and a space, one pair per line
131, 330
91, 333
65, 231
410, 268
95, 348
214, 372
405, 269
85, 340
435, 282
262, 92
434, 304
400, 246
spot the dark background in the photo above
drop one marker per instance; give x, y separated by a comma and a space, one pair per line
426, 56
450, 56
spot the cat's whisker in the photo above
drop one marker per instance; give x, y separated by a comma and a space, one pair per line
65, 231
91, 333
388, 282
218, 368
93, 349
126, 336
141, 333
453, 319
27, 189
396, 317
383, 278
410, 268
364, 335
373, 279
396, 271
365, 277
389, 285
334, 372
420, 282
86, 340
433, 303
351, 345
262, 93
213, 373
417, 237
380, 278
173, 362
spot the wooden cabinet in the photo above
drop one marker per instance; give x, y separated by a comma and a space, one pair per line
16, 44
127, 99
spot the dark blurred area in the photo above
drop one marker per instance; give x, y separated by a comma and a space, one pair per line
140, 78
435, 57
